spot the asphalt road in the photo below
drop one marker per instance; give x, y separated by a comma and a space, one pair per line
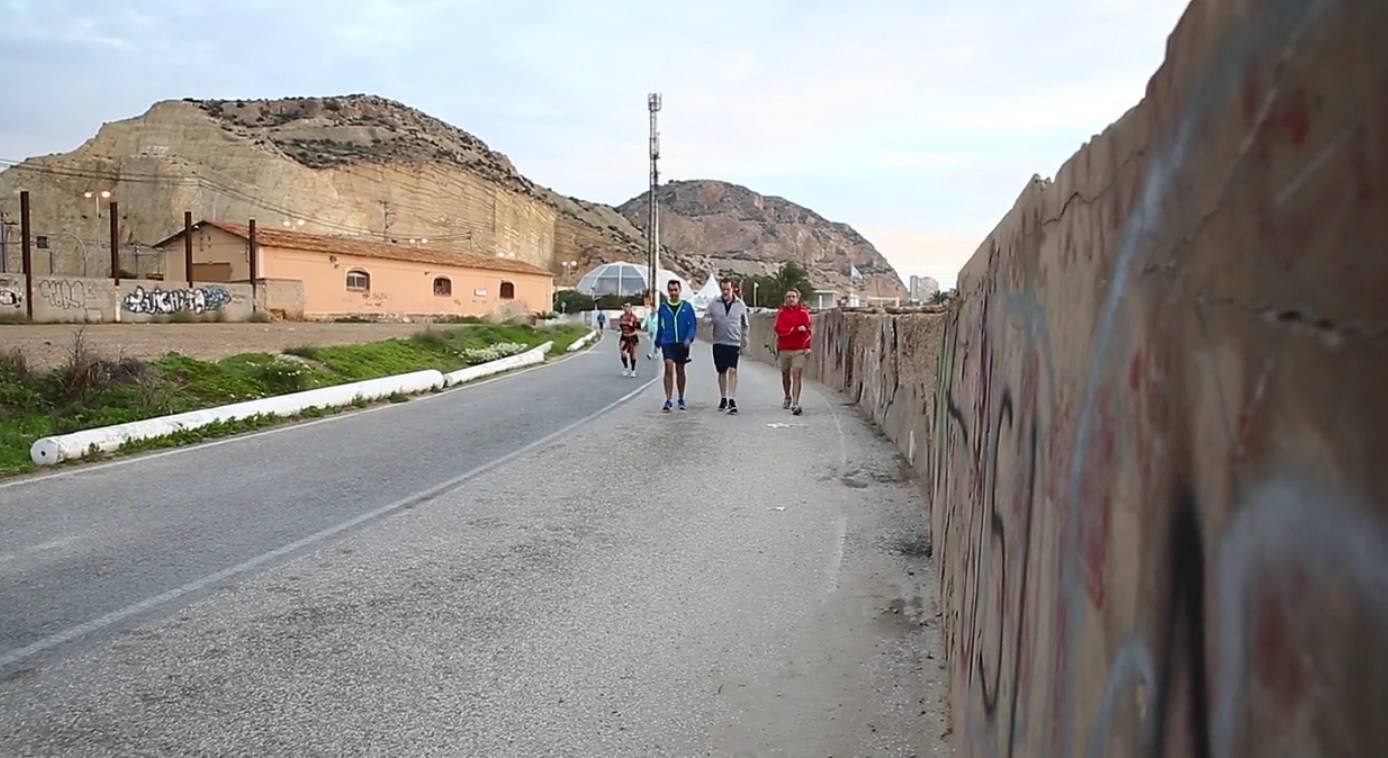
451, 577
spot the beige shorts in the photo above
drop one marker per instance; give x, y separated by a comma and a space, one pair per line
794, 359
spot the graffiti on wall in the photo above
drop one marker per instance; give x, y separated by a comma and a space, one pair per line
1060, 495
11, 297
162, 302
70, 294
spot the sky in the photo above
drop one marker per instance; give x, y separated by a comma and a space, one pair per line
917, 122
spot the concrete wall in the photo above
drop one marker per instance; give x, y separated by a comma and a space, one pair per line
1155, 450
281, 298
68, 299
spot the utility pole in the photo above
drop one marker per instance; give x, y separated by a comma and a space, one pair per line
4, 244
653, 222
385, 220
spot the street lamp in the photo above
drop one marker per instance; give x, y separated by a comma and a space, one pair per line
96, 198
755, 286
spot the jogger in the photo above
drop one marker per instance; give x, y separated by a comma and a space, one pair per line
630, 327
728, 317
675, 334
793, 339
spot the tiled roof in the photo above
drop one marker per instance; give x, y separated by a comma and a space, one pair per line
319, 243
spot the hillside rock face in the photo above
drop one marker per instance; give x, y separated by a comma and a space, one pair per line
716, 227
357, 166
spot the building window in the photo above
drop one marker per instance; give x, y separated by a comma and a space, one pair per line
443, 287
358, 281
508, 291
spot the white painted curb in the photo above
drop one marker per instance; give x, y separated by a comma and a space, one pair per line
528, 358
48, 451
581, 342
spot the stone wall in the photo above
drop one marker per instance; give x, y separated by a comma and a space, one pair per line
1155, 449
281, 298
67, 299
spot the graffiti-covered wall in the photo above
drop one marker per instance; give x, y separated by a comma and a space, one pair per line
1156, 448
1160, 499
64, 299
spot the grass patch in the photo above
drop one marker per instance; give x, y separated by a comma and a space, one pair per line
88, 391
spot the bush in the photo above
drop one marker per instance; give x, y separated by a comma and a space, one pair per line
432, 339
281, 377
301, 351
475, 355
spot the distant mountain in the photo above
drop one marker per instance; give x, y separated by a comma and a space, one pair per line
716, 226
356, 165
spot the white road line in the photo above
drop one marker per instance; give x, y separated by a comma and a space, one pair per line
289, 426
71, 633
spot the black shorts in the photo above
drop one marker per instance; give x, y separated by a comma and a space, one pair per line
725, 357
676, 353
630, 341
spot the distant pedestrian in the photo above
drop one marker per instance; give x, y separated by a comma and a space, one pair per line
602, 320
652, 325
728, 319
675, 334
630, 327
793, 336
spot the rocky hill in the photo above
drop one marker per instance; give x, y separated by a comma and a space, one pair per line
717, 226
356, 166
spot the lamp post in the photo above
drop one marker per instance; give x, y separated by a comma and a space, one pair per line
96, 197
755, 286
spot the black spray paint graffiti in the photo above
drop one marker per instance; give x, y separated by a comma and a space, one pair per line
1279, 21
1293, 542
10, 298
166, 302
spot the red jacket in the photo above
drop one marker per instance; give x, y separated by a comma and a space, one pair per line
787, 321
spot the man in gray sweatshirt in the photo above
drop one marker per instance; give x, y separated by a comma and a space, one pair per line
728, 317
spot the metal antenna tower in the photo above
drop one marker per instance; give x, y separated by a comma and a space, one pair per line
653, 222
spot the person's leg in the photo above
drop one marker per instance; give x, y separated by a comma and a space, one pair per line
785, 380
669, 379
679, 378
797, 376
722, 383
731, 381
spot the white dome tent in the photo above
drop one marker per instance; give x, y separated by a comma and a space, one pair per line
711, 291
623, 279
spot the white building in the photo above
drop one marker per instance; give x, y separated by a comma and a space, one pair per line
923, 288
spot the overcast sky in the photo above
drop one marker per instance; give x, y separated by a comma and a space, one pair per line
918, 122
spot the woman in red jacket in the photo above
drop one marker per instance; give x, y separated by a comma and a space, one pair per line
793, 347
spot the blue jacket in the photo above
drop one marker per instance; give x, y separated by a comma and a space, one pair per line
677, 325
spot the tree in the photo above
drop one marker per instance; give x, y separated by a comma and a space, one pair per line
771, 290
572, 301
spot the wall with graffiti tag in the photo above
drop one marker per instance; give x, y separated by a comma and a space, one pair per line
1154, 451
68, 299
1157, 489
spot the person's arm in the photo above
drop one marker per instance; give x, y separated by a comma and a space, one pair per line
746, 328
783, 326
692, 322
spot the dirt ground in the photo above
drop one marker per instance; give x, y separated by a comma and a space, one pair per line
49, 344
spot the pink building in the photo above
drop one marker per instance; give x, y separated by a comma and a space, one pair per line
342, 276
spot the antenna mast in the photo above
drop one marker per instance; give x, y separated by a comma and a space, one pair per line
653, 206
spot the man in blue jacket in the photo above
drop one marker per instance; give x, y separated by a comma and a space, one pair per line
674, 335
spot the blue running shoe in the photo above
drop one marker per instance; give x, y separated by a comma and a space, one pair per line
667, 406
683, 407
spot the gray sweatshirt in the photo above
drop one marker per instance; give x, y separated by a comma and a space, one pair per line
729, 321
